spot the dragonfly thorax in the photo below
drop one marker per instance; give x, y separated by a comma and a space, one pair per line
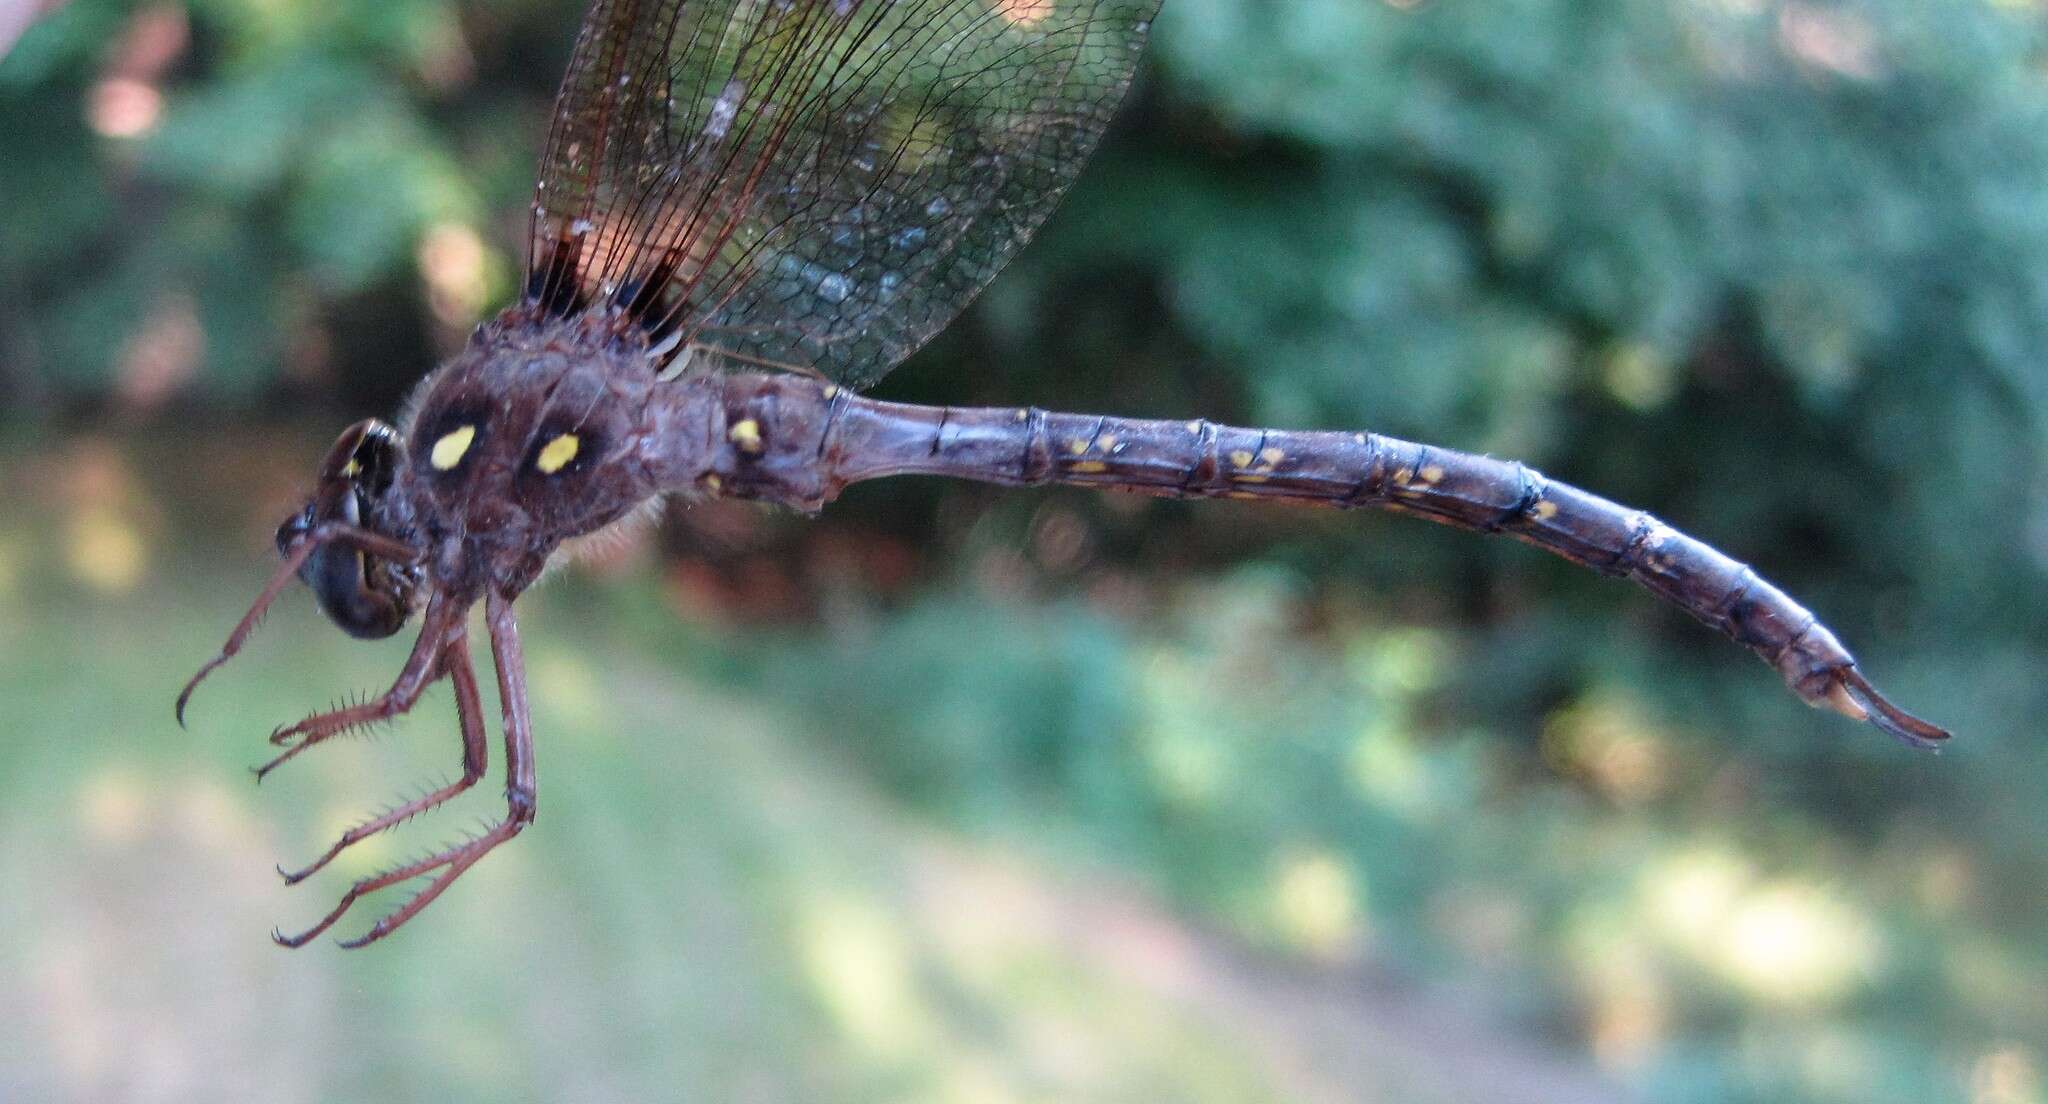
536, 433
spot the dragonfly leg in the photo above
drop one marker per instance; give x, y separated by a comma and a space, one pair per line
469, 712
422, 668
519, 800
327, 532
457, 858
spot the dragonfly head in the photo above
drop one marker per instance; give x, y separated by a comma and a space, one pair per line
370, 598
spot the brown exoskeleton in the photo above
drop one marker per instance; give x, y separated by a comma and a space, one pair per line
546, 429
823, 184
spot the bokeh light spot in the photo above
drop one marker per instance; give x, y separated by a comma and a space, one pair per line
1403, 660
1690, 895
1640, 378
1389, 772
2009, 1074
113, 808
1315, 903
452, 261
1025, 13
106, 552
860, 970
1609, 741
1797, 945
123, 107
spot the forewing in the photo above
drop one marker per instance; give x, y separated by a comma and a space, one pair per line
819, 183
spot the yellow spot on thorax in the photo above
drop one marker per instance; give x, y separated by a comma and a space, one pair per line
746, 434
713, 484
556, 454
351, 469
449, 450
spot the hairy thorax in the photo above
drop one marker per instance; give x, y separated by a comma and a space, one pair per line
539, 431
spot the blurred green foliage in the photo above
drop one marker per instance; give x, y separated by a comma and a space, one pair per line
1777, 270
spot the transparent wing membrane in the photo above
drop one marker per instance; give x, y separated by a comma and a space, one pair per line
823, 183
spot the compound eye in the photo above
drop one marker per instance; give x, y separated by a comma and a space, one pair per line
342, 460
375, 459
365, 455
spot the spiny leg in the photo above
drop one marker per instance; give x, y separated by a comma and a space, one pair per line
374, 883
519, 799
469, 713
519, 773
423, 667
361, 539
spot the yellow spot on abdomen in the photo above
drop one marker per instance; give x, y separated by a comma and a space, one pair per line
745, 433
1545, 510
1434, 473
449, 450
1241, 459
1077, 446
1089, 467
713, 484
1272, 457
556, 454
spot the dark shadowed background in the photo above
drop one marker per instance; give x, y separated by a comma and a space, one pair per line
956, 794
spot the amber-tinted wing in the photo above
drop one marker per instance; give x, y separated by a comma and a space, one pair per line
823, 183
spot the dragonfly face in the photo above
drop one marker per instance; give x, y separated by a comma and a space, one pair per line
369, 597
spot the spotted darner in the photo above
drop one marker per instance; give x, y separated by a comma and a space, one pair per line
747, 211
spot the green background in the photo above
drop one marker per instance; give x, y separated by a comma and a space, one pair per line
964, 794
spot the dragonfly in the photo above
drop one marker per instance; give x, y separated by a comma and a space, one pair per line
747, 212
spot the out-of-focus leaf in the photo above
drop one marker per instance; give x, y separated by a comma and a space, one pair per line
370, 187
49, 163
246, 134
58, 41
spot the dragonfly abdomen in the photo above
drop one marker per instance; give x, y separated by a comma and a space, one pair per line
799, 441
